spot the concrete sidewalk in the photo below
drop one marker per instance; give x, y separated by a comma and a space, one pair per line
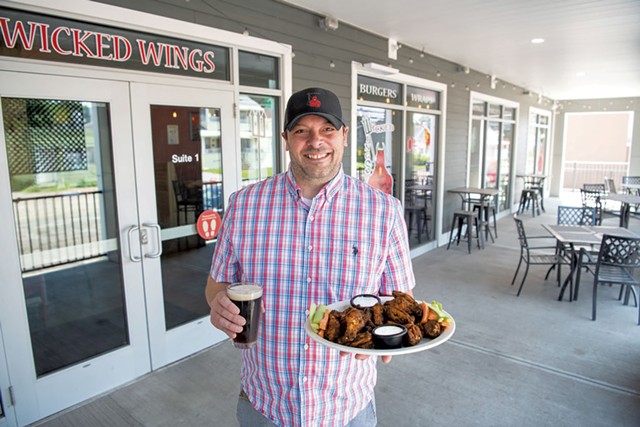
513, 361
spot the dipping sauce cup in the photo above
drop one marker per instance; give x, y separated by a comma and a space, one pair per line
388, 336
365, 300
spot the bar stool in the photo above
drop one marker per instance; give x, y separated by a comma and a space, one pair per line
489, 209
529, 196
470, 218
421, 220
540, 193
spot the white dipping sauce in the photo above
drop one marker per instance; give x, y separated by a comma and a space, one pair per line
388, 330
365, 301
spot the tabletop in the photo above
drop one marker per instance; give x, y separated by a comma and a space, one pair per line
624, 198
473, 190
420, 187
583, 234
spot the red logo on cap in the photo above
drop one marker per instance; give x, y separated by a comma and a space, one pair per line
314, 102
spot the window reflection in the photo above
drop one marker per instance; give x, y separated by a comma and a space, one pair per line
61, 175
379, 145
258, 137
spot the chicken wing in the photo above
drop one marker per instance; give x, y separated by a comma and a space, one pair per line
354, 320
334, 326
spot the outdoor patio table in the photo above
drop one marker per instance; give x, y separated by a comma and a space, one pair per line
420, 187
626, 200
483, 195
572, 236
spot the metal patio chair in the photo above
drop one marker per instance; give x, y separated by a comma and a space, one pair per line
536, 255
184, 202
618, 259
592, 199
576, 215
594, 187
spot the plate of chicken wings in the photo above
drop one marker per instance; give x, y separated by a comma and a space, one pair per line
349, 329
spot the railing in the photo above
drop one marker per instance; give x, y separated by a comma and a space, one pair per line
212, 196
59, 229
578, 173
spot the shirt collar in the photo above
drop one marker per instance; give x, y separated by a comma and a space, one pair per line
328, 191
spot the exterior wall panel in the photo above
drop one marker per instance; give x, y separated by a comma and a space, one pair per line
315, 48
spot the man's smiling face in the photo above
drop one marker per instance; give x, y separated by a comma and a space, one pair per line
316, 149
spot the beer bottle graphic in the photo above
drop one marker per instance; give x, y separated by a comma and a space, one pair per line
381, 178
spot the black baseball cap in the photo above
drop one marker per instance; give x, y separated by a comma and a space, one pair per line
313, 101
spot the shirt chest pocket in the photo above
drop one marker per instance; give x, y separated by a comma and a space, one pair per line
360, 268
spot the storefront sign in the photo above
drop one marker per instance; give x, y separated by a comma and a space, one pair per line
422, 98
370, 89
34, 36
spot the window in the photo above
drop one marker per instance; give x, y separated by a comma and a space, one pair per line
259, 137
537, 141
258, 70
490, 146
398, 126
259, 117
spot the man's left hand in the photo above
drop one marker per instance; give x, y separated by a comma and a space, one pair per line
385, 359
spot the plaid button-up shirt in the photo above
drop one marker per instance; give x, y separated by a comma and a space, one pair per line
351, 240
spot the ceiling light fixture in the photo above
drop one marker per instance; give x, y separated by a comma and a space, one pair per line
328, 23
537, 40
392, 48
381, 69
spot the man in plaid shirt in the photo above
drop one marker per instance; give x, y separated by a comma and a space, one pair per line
309, 235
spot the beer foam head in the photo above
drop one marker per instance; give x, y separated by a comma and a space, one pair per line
244, 292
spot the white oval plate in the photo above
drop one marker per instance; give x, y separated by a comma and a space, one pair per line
424, 344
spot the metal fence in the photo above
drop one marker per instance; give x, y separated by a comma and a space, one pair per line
578, 173
212, 196
58, 229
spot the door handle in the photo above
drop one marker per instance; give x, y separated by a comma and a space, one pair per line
132, 257
158, 251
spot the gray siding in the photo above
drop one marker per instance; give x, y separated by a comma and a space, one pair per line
314, 48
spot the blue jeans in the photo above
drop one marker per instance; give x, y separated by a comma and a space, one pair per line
249, 417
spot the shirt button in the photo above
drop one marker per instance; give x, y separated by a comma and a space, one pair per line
311, 218
306, 346
304, 379
308, 279
310, 247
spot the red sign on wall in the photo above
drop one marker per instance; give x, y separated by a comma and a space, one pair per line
208, 224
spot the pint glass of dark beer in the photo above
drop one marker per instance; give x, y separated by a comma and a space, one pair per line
248, 298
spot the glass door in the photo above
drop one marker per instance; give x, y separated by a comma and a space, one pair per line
7, 414
185, 156
420, 173
71, 291
103, 270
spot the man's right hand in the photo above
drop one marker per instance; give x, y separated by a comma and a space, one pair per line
224, 314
